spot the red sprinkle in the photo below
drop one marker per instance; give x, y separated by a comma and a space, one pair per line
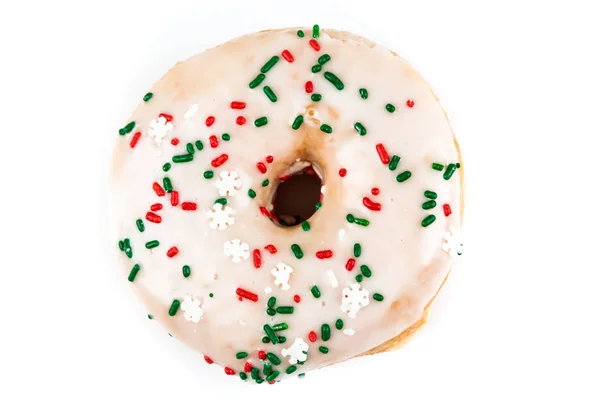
383, 155
174, 141
343, 172
168, 117
314, 44
240, 120
447, 210
265, 212
156, 207
269, 159
261, 167
350, 264
246, 294
284, 177
208, 359
375, 191
271, 382
312, 336
158, 190
150, 216
297, 298
324, 254
287, 56
257, 258
410, 103
262, 354
271, 249
189, 206
173, 251
371, 205
214, 142
135, 139
238, 105
217, 162
210, 120
229, 371
308, 87
174, 198
247, 367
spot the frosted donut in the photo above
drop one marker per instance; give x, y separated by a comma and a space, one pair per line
269, 290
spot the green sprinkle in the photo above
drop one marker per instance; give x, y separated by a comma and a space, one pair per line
241, 354
271, 312
257, 81
300, 34
302, 375
362, 131
208, 174
152, 244
281, 339
273, 358
251, 193
457, 165
140, 225
316, 68
267, 369
366, 271
324, 59
363, 93
243, 375
291, 369
190, 148
315, 291
339, 324
181, 158
222, 201
394, 163
334, 80
316, 31
199, 145
282, 326
259, 381
390, 107
305, 226
297, 251
449, 171
323, 349
186, 271
269, 64
326, 128
350, 218
271, 302
297, 122
262, 121
285, 310
265, 183
428, 205
270, 334
361, 221
270, 94
272, 376
254, 373
318, 205
404, 176
133, 273
430, 195
150, 316
174, 307
428, 220
357, 249
148, 96
128, 250
167, 185
325, 332
166, 167
316, 97
437, 167
358, 278
377, 296
226, 137
127, 128
121, 245
211, 295
265, 339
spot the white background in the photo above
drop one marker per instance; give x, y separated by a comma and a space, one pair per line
518, 317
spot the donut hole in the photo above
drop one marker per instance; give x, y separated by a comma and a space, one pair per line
295, 198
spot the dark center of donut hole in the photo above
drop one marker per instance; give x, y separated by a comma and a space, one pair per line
295, 199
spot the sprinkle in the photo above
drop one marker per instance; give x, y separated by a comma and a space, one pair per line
297, 122
305, 226
349, 332
241, 354
211, 295
199, 145
217, 162
291, 369
358, 278
318, 205
240, 105
262, 121
226, 137
390, 107
375, 191
326, 128
150, 216
261, 167
323, 349
173, 310
271, 312
257, 260
268, 65
428, 205
316, 97
314, 44
222, 201
350, 264
229, 371
447, 210
360, 128
410, 103
312, 336
324, 59
350, 218
271, 249
315, 291
246, 294
257, 81
325, 332
270, 334
182, 158
315, 31
296, 298
428, 220
363, 93
174, 141
133, 273
334, 80
270, 94
366, 271
240, 120
361, 221
272, 376
284, 310
339, 324
172, 252
140, 225
357, 250
189, 206
214, 142
265, 212
158, 189
382, 152
168, 117
287, 56
457, 165
342, 172
265, 183
309, 87
150, 316
208, 360
152, 244
254, 373
300, 34
166, 167
247, 366
297, 251
148, 96
403, 176
282, 326
190, 148
167, 185
210, 120
251, 193
269, 159
449, 171
186, 271
394, 162
377, 296
430, 195
316, 68
371, 205
135, 139
127, 128
324, 254
243, 376
437, 167
271, 302
127, 248
332, 278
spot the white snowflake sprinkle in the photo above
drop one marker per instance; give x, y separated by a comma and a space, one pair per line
353, 299
221, 217
237, 250
190, 112
349, 332
332, 278
282, 273
159, 128
297, 351
191, 308
452, 243
228, 183
268, 290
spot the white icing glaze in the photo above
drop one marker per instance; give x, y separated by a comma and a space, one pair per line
407, 261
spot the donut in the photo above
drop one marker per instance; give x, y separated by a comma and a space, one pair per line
288, 200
